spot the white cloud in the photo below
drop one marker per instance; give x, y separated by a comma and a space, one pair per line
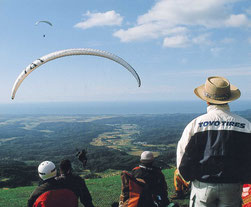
181, 41
171, 15
175, 41
141, 31
187, 12
237, 20
149, 31
109, 18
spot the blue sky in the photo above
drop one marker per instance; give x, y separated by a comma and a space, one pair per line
172, 44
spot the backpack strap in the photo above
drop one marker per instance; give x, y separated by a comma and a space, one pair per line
136, 168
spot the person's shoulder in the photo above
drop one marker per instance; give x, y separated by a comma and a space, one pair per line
193, 122
46, 185
48, 182
76, 177
157, 169
69, 178
241, 118
136, 172
243, 122
191, 127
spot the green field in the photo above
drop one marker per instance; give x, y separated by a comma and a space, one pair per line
104, 191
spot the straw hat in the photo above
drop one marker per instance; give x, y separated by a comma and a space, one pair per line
217, 90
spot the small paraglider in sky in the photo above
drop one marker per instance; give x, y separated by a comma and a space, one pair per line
45, 22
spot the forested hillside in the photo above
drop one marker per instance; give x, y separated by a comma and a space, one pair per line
112, 142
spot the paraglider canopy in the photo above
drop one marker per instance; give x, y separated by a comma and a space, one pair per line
43, 21
62, 53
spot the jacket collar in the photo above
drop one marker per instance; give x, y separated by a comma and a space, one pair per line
146, 167
223, 107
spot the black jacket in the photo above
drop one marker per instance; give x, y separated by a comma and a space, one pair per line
215, 148
155, 180
50, 184
78, 186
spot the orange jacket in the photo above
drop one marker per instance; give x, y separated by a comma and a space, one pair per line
59, 198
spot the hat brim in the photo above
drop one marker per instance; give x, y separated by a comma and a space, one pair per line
235, 94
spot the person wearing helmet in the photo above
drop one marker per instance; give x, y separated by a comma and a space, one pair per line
47, 172
51, 193
74, 182
214, 150
154, 179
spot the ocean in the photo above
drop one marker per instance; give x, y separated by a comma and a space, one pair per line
150, 107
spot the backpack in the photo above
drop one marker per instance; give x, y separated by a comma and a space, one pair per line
135, 192
246, 195
57, 198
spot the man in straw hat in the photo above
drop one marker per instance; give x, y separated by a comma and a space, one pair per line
214, 150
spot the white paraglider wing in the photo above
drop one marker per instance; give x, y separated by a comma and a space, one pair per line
47, 22
69, 52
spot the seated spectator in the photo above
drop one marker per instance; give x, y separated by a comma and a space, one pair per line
74, 183
50, 193
153, 177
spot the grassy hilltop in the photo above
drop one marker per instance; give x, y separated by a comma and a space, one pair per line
104, 191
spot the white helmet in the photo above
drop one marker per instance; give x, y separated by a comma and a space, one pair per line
146, 157
47, 170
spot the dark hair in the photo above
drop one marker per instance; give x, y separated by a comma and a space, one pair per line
65, 166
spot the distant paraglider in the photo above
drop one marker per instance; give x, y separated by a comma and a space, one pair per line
70, 52
43, 21
47, 22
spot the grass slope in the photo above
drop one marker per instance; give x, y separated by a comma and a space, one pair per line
104, 191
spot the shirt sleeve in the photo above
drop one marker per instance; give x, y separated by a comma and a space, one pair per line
186, 152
